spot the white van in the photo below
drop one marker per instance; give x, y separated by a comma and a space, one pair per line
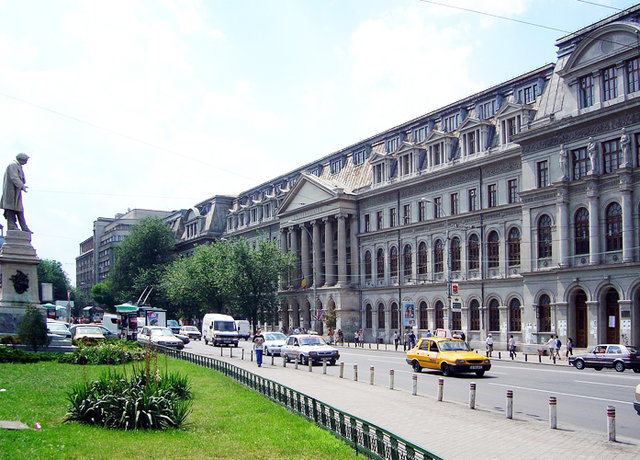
244, 328
111, 322
219, 330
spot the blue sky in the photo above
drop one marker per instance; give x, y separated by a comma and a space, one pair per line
161, 104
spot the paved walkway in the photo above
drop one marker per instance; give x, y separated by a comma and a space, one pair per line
448, 429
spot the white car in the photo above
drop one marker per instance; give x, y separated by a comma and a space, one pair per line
156, 335
58, 328
273, 342
191, 331
309, 347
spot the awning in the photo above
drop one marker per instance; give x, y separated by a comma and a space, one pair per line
87, 308
48, 306
126, 308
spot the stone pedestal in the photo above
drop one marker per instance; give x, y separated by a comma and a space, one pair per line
19, 288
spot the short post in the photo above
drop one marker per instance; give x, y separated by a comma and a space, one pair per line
324, 365
553, 412
341, 369
221, 354
554, 358
472, 395
230, 352
242, 354
310, 363
539, 358
297, 361
377, 345
273, 357
414, 384
371, 375
440, 388
499, 355
391, 379
284, 360
525, 357
251, 355
355, 372
509, 404
611, 423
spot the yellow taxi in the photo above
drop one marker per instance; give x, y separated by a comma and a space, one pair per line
447, 355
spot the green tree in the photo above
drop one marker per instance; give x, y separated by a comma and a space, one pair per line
140, 261
50, 271
32, 330
102, 294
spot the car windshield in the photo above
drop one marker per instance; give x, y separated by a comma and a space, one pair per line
276, 336
163, 331
88, 330
57, 327
172, 323
453, 346
190, 328
312, 341
228, 326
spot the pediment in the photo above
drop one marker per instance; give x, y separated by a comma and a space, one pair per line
436, 136
470, 123
308, 190
511, 108
406, 147
377, 157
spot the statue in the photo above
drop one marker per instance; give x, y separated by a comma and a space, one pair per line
625, 144
563, 164
14, 185
592, 150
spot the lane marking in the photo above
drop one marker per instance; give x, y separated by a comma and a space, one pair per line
607, 384
560, 393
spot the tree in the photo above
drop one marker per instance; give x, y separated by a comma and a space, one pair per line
140, 261
50, 271
102, 294
32, 330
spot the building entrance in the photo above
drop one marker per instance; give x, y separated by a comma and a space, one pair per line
581, 319
612, 318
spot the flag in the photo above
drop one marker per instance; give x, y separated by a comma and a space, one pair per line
304, 283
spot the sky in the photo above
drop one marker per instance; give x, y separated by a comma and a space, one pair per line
161, 104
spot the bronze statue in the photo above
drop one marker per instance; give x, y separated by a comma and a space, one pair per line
14, 185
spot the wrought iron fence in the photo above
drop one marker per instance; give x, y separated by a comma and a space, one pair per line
364, 437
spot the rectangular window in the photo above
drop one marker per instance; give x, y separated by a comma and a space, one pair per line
471, 142
580, 162
421, 213
611, 155
450, 123
473, 197
405, 164
454, 204
392, 217
379, 220
367, 223
419, 134
487, 109
392, 144
492, 195
437, 207
633, 75
527, 95
406, 214
609, 84
585, 90
510, 127
436, 154
378, 173
335, 166
513, 190
543, 173
359, 156
637, 137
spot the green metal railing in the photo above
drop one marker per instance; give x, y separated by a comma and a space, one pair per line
364, 437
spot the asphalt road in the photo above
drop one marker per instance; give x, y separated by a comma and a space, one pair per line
583, 396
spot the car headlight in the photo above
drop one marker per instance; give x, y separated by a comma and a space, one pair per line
486, 361
459, 361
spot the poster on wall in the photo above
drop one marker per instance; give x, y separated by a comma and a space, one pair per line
152, 318
408, 314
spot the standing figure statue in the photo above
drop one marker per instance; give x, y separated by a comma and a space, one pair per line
563, 164
14, 185
625, 144
592, 151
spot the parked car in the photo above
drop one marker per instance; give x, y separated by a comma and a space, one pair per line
273, 342
619, 357
636, 403
191, 331
447, 355
58, 328
157, 335
105, 331
309, 347
173, 325
87, 331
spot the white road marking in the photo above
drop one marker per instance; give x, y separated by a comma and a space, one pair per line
562, 394
607, 384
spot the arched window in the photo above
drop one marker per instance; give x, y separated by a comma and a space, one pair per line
367, 266
380, 264
438, 257
395, 314
581, 228
493, 250
544, 237
515, 320
439, 315
408, 261
368, 316
380, 316
513, 246
422, 258
544, 313
473, 252
424, 320
455, 254
393, 261
474, 315
614, 227
494, 315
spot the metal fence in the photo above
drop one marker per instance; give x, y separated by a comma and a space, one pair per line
364, 437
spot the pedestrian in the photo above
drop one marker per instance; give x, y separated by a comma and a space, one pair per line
330, 334
396, 339
489, 345
569, 347
340, 337
412, 340
356, 338
558, 346
463, 337
405, 340
512, 347
551, 344
258, 346
361, 338
429, 333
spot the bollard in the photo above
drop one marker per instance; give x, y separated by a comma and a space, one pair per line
297, 361
371, 375
273, 357
251, 355
414, 384
553, 412
243, 354
369, 346
284, 360
554, 359
499, 355
377, 345
310, 363
525, 357
355, 372
472, 395
230, 352
391, 379
341, 369
509, 404
221, 351
324, 365
440, 388
539, 358
611, 423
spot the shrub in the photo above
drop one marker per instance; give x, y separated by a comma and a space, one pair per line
32, 331
9, 355
112, 351
9, 340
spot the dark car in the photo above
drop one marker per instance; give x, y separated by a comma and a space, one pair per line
174, 326
616, 356
636, 403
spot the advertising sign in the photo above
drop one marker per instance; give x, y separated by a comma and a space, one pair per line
152, 318
408, 314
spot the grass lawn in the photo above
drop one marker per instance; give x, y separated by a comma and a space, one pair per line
227, 421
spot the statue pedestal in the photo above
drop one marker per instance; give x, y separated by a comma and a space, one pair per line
19, 288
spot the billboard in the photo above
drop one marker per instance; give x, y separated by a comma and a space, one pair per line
408, 314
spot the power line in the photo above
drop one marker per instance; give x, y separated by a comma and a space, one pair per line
601, 5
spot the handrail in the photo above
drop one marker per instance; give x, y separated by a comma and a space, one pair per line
366, 438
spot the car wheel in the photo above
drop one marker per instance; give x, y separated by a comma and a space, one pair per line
416, 366
479, 373
332, 362
619, 366
598, 368
579, 364
446, 370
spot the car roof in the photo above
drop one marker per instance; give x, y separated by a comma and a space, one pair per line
303, 336
442, 339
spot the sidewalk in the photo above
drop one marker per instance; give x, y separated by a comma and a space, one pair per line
450, 430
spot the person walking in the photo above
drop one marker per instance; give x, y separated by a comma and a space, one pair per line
361, 338
330, 336
569, 347
396, 339
551, 344
356, 338
512, 348
405, 340
412, 340
558, 346
340, 337
489, 345
462, 336
258, 346
429, 333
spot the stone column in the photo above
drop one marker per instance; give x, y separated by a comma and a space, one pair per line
329, 279
342, 250
304, 255
627, 216
317, 254
503, 311
283, 248
594, 222
597, 334
355, 265
295, 248
562, 208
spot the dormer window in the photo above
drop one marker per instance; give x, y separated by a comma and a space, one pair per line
451, 123
471, 142
405, 163
510, 127
419, 134
335, 166
359, 156
436, 153
487, 109
378, 173
317, 171
392, 144
527, 95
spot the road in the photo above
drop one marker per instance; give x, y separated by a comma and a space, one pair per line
583, 396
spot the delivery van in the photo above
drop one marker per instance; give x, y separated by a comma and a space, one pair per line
219, 329
244, 328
